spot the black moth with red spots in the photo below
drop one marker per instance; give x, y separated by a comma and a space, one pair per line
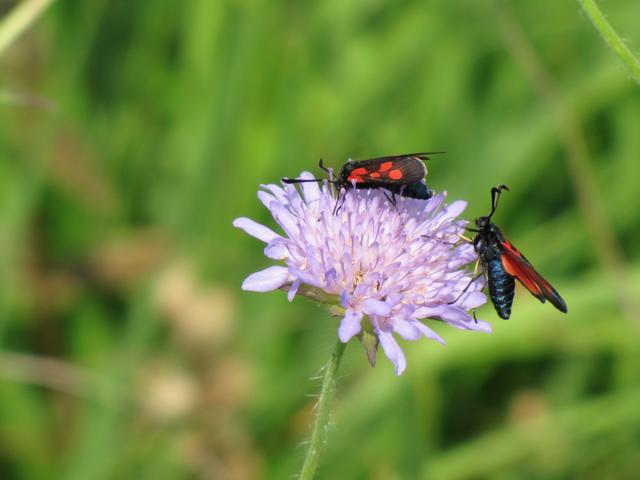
399, 174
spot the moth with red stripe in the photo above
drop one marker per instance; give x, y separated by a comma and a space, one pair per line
402, 175
502, 263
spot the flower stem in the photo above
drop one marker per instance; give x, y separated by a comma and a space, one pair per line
323, 409
611, 37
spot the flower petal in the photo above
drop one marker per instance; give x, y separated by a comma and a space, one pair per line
276, 191
434, 202
429, 312
266, 280
459, 318
452, 314
276, 250
393, 351
350, 325
472, 300
407, 330
453, 210
293, 290
344, 298
479, 326
285, 219
311, 190
376, 307
255, 229
267, 199
306, 277
427, 332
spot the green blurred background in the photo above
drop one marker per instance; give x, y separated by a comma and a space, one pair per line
132, 133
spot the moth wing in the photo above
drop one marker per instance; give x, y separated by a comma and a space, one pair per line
402, 169
519, 267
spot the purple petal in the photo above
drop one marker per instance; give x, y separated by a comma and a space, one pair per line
306, 277
480, 326
407, 330
464, 321
285, 219
344, 298
376, 307
453, 210
427, 332
429, 312
310, 190
393, 351
331, 277
277, 192
266, 199
266, 280
255, 229
276, 250
350, 325
293, 290
434, 202
453, 314
472, 300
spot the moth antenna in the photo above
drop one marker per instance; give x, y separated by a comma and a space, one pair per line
328, 170
420, 155
495, 196
432, 153
302, 180
322, 167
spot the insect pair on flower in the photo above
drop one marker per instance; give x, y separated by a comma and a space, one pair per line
499, 261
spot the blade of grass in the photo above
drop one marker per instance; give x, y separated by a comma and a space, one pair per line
19, 20
57, 375
611, 37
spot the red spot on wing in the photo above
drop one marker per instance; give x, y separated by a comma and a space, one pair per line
386, 166
356, 174
375, 175
395, 174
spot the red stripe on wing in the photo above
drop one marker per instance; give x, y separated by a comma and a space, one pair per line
519, 267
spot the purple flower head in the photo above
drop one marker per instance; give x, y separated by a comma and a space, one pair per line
386, 267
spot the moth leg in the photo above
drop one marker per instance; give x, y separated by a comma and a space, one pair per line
460, 236
391, 199
438, 240
465, 238
339, 203
476, 276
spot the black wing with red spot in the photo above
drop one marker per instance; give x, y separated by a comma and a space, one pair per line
401, 169
519, 267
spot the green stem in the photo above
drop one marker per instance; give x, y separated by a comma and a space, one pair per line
323, 407
611, 37
19, 19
